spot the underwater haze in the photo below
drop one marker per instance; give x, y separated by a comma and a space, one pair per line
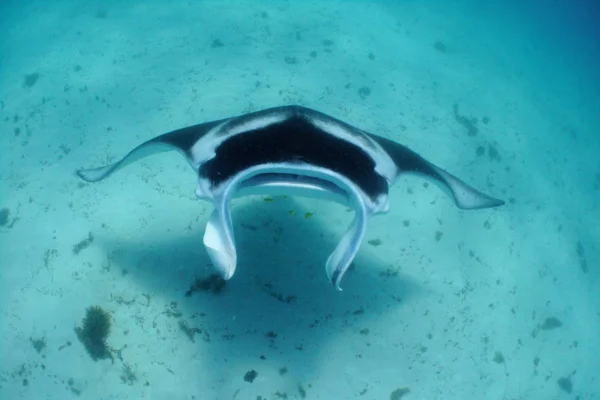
107, 292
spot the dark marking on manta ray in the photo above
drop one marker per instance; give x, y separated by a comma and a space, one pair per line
293, 150
285, 141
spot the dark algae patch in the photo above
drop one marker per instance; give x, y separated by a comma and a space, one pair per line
214, 284
84, 244
301, 392
493, 153
93, 332
551, 323
217, 43
38, 344
565, 384
580, 253
250, 376
498, 358
279, 296
4, 213
291, 60
440, 46
470, 124
31, 79
399, 393
101, 14
364, 92
189, 331
128, 376
375, 242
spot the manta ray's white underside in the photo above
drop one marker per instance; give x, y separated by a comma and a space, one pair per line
292, 180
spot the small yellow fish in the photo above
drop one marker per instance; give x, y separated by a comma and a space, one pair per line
292, 212
308, 215
268, 199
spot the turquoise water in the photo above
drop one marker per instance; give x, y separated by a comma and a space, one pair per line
441, 303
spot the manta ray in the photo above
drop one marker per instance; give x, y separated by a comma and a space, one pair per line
293, 150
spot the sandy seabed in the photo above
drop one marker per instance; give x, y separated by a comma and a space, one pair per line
440, 304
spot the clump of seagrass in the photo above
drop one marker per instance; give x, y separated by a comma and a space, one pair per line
93, 332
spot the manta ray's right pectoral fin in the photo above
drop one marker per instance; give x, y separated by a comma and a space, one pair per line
219, 241
465, 196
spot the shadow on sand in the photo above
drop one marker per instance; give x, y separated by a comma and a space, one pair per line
279, 310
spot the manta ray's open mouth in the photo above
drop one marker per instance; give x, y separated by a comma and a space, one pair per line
273, 183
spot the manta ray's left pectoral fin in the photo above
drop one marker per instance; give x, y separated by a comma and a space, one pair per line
219, 242
144, 150
339, 261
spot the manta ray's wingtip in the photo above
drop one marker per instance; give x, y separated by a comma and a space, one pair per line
498, 203
335, 280
81, 174
92, 174
478, 201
